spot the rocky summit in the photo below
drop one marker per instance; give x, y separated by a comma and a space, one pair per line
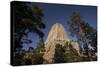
57, 35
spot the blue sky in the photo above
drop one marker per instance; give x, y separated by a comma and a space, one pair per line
59, 13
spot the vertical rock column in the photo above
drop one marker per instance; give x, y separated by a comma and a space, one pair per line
56, 36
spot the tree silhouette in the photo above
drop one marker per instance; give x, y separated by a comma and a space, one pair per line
86, 35
59, 57
26, 19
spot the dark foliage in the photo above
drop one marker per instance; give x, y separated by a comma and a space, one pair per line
86, 34
64, 54
59, 57
26, 18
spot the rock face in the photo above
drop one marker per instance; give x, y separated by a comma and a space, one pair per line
75, 46
56, 36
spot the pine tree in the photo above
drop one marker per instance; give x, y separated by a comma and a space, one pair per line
86, 34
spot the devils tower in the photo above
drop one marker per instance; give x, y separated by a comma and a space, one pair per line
57, 35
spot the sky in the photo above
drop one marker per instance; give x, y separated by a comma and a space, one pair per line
60, 13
